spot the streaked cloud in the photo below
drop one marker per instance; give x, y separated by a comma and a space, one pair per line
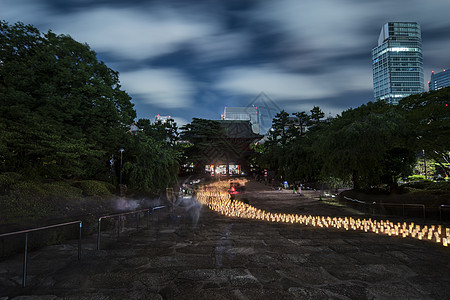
26, 11
165, 88
221, 46
133, 34
290, 86
197, 55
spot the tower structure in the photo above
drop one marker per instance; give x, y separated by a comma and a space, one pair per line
397, 62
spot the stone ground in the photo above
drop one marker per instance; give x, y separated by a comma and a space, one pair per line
199, 254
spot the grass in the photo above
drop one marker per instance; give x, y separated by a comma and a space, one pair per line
30, 202
27, 203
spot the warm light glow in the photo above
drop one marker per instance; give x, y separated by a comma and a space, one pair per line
216, 197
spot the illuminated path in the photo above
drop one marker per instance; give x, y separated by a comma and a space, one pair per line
198, 253
217, 198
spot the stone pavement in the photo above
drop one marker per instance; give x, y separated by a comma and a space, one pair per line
199, 254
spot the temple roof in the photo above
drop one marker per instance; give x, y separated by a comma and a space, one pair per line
240, 129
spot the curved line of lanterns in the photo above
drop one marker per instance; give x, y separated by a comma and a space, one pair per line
216, 197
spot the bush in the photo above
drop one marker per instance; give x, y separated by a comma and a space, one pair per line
7, 180
61, 190
441, 185
25, 200
95, 188
421, 185
414, 178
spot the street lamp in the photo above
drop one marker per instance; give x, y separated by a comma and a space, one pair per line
120, 177
424, 163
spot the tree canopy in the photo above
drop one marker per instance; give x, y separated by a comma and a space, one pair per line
208, 142
376, 143
430, 115
63, 113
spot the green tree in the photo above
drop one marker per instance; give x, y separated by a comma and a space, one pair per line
316, 115
63, 109
208, 143
150, 165
368, 145
160, 131
302, 119
429, 113
300, 161
281, 127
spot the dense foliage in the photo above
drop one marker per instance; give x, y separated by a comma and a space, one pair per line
63, 115
152, 158
207, 142
373, 144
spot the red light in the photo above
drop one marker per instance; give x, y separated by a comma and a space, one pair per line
443, 70
446, 104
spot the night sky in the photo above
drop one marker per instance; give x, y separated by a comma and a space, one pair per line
192, 58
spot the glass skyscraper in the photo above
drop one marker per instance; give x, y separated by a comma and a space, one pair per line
397, 62
439, 80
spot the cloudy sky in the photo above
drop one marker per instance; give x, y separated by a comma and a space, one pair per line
192, 58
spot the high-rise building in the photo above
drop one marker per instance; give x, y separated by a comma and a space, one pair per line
439, 80
242, 114
397, 62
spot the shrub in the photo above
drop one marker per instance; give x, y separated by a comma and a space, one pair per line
417, 178
95, 188
62, 190
7, 180
441, 185
421, 185
25, 200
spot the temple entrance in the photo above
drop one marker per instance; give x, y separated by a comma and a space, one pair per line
233, 170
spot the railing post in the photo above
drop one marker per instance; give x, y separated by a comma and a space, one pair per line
137, 221
118, 227
148, 218
79, 241
98, 234
424, 217
24, 279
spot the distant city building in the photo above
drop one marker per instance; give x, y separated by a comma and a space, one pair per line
162, 119
397, 62
242, 114
439, 80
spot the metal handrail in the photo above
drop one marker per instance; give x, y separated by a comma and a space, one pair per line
24, 281
354, 200
403, 207
391, 204
137, 212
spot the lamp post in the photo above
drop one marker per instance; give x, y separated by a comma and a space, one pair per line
120, 177
424, 163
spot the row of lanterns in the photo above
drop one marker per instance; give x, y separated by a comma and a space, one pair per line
217, 198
